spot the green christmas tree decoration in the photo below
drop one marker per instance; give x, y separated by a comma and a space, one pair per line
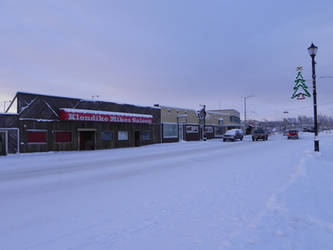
300, 88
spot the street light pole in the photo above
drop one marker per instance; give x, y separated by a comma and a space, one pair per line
313, 51
244, 112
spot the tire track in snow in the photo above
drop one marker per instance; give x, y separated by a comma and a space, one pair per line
272, 204
92, 163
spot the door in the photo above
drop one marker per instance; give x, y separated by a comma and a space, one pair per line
3, 143
137, 138
87, 140
181, 131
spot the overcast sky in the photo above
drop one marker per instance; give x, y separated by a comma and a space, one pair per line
173, 52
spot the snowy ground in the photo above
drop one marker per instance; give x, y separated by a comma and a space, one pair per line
190, 195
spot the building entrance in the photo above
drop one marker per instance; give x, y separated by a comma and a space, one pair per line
137, 138
3, 143
181, 131
87, 139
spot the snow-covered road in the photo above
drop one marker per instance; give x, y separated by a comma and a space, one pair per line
189, 195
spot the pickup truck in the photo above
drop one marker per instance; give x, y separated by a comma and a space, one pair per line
259, 134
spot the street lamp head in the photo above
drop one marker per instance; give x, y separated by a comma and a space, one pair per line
312, 50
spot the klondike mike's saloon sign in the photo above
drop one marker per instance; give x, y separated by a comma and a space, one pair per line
102, 116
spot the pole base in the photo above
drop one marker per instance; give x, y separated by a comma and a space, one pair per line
316, 146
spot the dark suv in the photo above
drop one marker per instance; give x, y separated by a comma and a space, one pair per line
259, 133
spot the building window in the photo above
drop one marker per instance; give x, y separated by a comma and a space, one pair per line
63, 137
145, 135
219, 131
36, 136
192, 129
234, 119
122, 135
209, 129
170, 130
107, 136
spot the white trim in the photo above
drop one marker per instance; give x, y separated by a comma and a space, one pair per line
170, 123
6, 141
8, 128
48, 105
18, 137
35, 143
22, 109
10, 105
86, 129
35, 119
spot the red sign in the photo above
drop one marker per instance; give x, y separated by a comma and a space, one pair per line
103, 116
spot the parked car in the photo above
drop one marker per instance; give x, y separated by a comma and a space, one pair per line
292, 134
311, 130
233, 134
259, 133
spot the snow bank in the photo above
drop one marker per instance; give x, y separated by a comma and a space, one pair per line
273, 194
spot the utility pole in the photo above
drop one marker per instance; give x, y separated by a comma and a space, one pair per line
202, 116
4, 105
245, 97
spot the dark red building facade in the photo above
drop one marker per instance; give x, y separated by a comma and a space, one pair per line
52, 123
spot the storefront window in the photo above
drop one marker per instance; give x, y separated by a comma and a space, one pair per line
208, 129
219, 131
192, 129
63, 137
170, 130
107, 136
145, 135
122, 135
234, 119
36, 136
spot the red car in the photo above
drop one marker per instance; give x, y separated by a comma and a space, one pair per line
292, 134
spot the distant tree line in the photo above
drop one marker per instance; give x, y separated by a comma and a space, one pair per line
324, 121
300, 122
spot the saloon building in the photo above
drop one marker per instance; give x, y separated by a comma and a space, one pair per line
51, 123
